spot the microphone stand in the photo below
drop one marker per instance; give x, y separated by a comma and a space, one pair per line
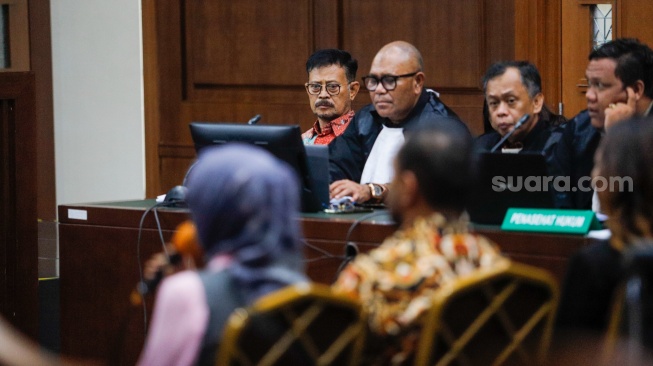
517, 125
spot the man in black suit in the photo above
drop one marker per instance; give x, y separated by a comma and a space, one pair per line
361, 159
513, 89
620, 85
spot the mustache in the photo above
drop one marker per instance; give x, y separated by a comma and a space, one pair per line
321, 103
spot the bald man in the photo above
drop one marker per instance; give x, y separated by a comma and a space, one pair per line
361, 159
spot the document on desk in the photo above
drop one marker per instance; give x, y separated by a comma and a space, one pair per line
77, 214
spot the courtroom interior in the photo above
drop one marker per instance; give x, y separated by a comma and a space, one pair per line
109, 116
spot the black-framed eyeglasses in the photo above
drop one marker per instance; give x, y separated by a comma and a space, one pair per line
389, 82
315, 88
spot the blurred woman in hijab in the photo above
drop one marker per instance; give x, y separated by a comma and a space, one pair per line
245, 205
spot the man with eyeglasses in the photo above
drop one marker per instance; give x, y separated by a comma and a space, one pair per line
331, 89
619, 86
361, 159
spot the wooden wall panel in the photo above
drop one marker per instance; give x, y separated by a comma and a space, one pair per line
539, 41
248, 43
41, 65
549, 57
18, 212
227, 60
469, 107
500, 35
176, 162
162, 84
635, 20
449, 35
577, 42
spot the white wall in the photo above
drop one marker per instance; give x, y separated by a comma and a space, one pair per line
98, 100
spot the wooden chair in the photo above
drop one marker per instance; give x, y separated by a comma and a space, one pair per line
298, 325
499, 316
629, 338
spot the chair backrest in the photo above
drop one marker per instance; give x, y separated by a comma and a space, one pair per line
298, 325
630, 334
501, 315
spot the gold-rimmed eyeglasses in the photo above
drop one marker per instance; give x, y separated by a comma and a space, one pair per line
315, 88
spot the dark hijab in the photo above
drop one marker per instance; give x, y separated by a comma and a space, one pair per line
245, 203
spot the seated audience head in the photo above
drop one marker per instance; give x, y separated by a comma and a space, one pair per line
245, 204
433, 172
513, 89
623, 177
396, 80
332, 84
614, 67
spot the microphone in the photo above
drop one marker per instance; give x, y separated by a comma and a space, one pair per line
351, 249
185, 245
145, 287
517, 125
254, 120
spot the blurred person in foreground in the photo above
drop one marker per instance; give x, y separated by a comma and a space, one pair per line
18, 350
626, 153
396, 281
245, 205
596, 274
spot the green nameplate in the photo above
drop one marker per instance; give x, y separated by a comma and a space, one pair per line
550, 220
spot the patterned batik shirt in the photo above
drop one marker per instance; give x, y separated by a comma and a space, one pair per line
335, 128
396, 281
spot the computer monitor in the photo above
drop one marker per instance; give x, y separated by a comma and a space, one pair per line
503, 182
282, 141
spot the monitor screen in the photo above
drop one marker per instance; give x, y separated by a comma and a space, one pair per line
504, 181
283, 141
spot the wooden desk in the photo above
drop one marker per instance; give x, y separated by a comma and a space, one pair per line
99, 265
